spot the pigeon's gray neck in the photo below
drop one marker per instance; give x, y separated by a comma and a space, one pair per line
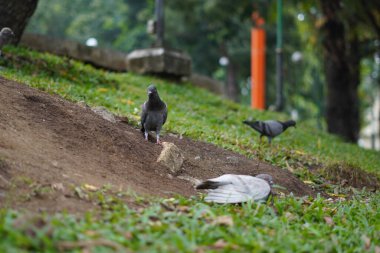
266, 177
154, 101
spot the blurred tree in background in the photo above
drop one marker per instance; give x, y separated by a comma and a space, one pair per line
15, 14
347, 31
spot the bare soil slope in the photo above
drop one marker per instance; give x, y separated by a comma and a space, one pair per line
47, 142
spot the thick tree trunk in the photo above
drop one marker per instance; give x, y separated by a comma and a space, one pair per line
341, 59
15, 14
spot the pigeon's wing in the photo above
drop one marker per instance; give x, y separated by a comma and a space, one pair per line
258, 126
258, 188
237, 189
165, 114
144, 114
224, 196
272, 128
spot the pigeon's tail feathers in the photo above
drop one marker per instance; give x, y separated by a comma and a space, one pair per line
209, 184
247, 122
257, 125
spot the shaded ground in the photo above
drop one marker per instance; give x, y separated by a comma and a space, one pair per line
49, 147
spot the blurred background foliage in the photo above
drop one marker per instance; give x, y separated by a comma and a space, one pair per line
209, 30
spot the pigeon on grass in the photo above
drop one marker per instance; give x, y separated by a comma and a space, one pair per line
270, 128
230, 188
6, 36
154, 113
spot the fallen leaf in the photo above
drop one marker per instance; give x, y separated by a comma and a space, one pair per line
219, 244
102, 90
337, 195
308, 182
91, 233
306, 202
288, 167
289, 216
90, 187
299, 152
331, 211
183, 209
224, 220
329, 221
128, 235
200, 250
367, 242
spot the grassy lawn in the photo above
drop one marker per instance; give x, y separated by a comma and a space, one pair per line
289, 224
181, 225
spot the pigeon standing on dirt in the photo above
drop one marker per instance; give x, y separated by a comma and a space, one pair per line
270, 128
231, 188
154, 113
6, 36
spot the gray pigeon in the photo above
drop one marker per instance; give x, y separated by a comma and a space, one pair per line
231, 188
270, 128
154, 113
6, 36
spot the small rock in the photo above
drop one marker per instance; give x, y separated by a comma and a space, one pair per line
192, 180
104, 113
197, 158
232, 159
171, 157
58, 187
82, 104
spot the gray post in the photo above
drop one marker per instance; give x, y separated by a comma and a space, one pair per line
160, 25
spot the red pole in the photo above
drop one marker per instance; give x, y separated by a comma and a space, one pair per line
258, 68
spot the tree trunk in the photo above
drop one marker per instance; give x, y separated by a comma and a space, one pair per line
341, 59
232, 84
15, 14
231, 89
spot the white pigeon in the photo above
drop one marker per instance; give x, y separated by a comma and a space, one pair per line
230, 188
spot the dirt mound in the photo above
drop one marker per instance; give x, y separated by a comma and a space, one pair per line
49, 146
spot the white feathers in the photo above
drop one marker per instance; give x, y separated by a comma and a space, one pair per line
231, 188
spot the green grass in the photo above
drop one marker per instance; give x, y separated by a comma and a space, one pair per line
193, 112
289, 224
187, 225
